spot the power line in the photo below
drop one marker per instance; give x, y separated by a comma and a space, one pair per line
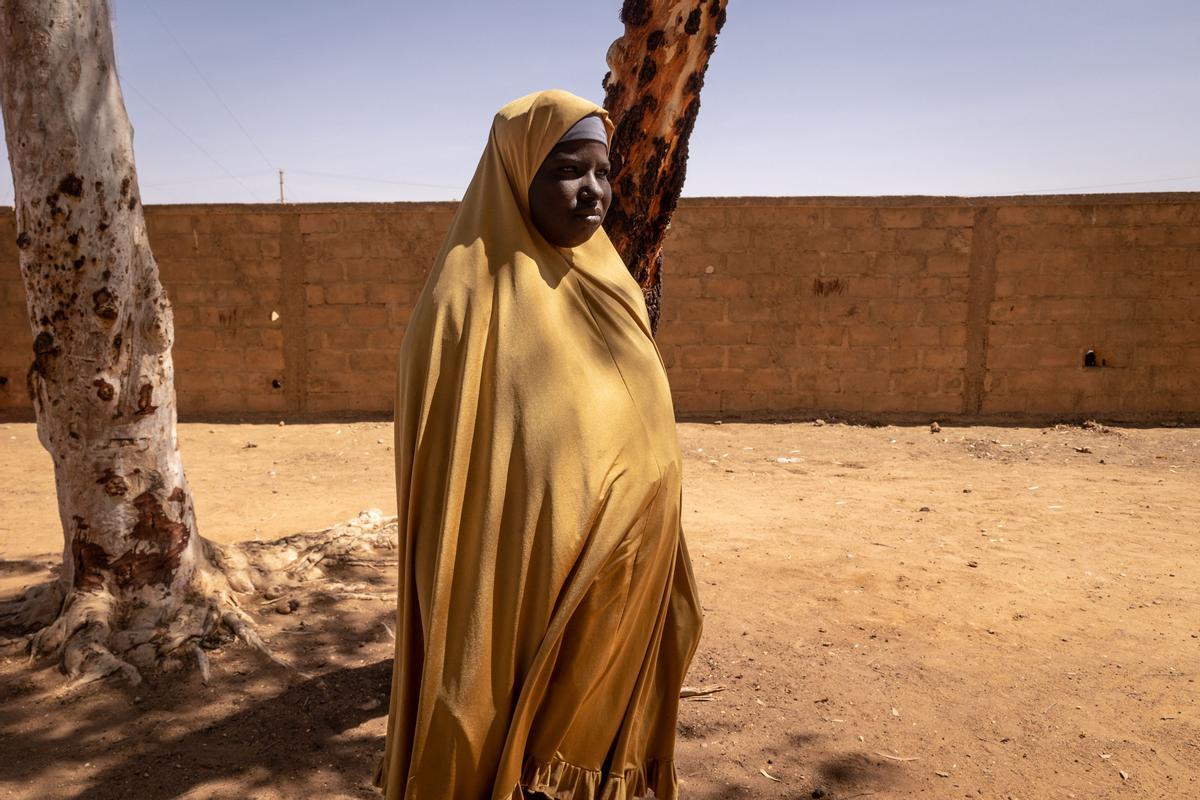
373, 180
212, 89
185, 135
208, 179
334, 176
1106, 185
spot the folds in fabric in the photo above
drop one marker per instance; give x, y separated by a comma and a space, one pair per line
547, 611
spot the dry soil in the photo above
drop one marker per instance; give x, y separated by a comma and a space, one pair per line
892, 613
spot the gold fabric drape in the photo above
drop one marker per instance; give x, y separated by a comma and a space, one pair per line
547, 610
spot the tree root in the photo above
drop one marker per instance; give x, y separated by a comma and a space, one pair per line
37, 607
269, 567
98, 632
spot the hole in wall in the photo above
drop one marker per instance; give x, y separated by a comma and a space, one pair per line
274, 316
276, 383
3, 381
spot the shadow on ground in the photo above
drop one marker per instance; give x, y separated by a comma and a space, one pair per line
278, 740
22, 567
256, 731
844, 775
801, 766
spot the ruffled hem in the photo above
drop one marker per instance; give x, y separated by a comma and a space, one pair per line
562, 781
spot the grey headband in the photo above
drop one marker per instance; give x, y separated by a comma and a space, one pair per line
589, 128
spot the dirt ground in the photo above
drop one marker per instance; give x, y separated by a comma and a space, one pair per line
979, 612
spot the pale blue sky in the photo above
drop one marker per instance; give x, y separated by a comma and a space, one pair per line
368, 100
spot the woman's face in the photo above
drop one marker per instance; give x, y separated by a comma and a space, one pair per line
570, 193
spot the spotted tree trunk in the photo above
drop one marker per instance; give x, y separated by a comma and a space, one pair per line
137, 584
652, 92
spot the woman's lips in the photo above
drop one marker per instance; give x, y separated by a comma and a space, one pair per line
588, 215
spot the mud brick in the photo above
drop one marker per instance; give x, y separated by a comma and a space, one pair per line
902, 217
703, 356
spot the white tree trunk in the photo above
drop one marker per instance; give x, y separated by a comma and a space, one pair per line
101, 381
138, 586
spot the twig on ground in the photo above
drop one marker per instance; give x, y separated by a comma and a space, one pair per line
201, 663
355, 595
359, 562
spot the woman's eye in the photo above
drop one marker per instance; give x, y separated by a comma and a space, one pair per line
567, 171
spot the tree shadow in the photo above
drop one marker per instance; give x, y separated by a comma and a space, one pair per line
858, 771
256, 730
274, 743
732, 792
10, 569
829, 775
800, 739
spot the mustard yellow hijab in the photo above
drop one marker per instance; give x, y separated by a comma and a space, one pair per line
547, 610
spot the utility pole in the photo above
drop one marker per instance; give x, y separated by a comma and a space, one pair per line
281, 186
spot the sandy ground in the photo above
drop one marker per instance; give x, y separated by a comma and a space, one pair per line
894, 613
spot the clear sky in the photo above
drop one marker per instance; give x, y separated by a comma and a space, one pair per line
378, 100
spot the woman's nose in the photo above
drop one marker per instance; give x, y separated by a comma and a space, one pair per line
590, 186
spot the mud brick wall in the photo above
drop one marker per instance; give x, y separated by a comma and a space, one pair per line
940, 306
1123, 280
773, 307
294, 311
806, 307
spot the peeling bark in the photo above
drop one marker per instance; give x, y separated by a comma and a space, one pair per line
138, 588
101, 381
652, 92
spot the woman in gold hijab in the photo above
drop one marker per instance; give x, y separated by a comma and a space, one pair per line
547, 610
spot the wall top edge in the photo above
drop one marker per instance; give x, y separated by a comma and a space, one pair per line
880, 201
923, 200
